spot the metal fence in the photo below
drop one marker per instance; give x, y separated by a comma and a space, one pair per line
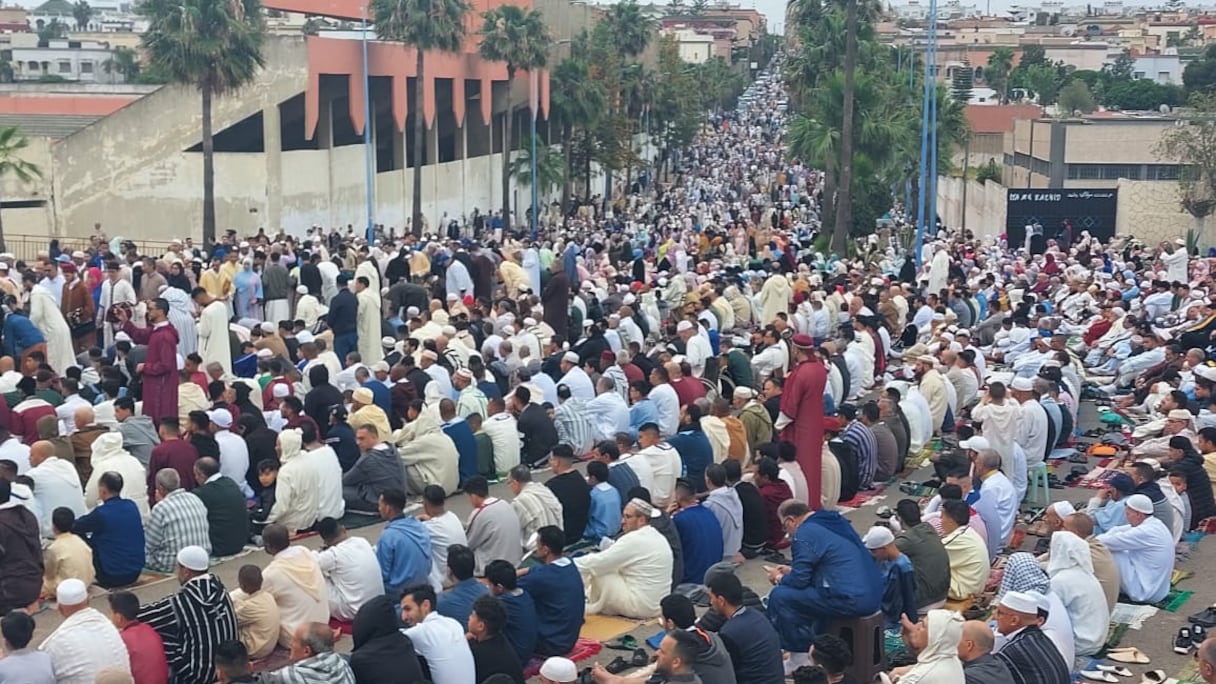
28, 247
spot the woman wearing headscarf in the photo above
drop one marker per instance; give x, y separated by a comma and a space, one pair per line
177, 277
1022, 573
248, 292
382, 654
935, 642
181, 317
1071, 570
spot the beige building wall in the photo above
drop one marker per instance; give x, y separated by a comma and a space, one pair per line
1133, 142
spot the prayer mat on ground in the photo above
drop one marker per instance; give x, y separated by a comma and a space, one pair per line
343, 626
1114, 635
1208, 526
1180, 575
895, 649
1189, 674
607, 627
583, 649
278, 659
1174, 600
249, 548
868, 497
353, 520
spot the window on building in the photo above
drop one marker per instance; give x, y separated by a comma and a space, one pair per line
65, 66
1137, 75
32, 65
86, 67
1164, 77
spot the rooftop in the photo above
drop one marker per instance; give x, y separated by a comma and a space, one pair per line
999, 118
47, 126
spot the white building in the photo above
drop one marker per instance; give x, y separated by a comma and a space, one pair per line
1163, 69
71, 60
108, 16
695, 48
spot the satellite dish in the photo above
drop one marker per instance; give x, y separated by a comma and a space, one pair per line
1164, 109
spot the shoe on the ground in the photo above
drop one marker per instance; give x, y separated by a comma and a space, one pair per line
1198, 634
1204, 618
1182, 642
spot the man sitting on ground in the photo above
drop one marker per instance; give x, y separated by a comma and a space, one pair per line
521, 611
257, 615
85, 642
351, 571
968, 554
633, 575
1028, 651
493, 653
753, 644
313, 658
439, 641
1144, 551
294, 579
457, 601
178, 520
930, 562
404, 548
557, 593
144, 646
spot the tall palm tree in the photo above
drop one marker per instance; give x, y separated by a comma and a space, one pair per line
844, 204
520, 38
12, 143
1000, 63
214, 45
427, 25
630, 27
82, 13
576, 100
124, 61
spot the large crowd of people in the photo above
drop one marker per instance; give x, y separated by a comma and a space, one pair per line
703, 387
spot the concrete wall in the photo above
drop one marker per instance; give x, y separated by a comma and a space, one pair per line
1150, 210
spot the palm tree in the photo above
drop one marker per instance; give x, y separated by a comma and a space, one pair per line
125, 61
53, 29
844, 204
214, 46
549, 171
575, 101
520, 38
426, 25
82, 13
11, 145
630, 28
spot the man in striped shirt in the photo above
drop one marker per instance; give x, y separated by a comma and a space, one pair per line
570, 418
178, 520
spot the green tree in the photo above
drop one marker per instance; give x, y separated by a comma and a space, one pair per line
1000, 63
425, 25
844, 189
1199, 76
52, 30
988, 172
124, 61
12, 145
518, 37
1193, 146
699, 7
1141, 94
549, 167
962, 83
1075, 97
1043, 81
1033, 55
576, 102
213, 46
82, 13
1122, 68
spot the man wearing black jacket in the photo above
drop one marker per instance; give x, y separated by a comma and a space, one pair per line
534, 423
343, 319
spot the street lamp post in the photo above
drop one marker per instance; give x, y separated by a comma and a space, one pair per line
534, 95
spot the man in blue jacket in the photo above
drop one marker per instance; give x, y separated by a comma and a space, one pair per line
115, 533
831, 576
557, 592
404, 549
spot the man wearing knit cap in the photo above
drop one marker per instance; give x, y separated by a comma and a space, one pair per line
800, 418
86, 641
1143, 550
1028, 651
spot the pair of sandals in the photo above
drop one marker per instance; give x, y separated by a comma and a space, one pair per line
1108, 673
639, 658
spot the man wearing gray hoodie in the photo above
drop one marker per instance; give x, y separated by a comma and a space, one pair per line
139, 434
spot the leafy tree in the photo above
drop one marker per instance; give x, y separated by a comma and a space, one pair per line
518, 37
82, 13
1141, 94
124, 61
961, 83
1193, 145
1075, 97
12, 144
1200, 75
549, 167
1000, 63
699, 7
214, 46
1043, 81
1122, 68
988, 172
53, 29
576, 102
425, 25
1032, 56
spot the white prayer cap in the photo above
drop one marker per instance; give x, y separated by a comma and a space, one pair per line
561, 670
430, 354
926, 358
302, 289
267, 327
628, 299
1140, 503
122, 337
464, 373
743, 392
304, 336
1205, 371
662, 282
878, 537
1063, 508
412, 311
1022, 384
221, 417
963, 332
529, 321
194, 558
244, 244
508, 330
71, 592
587, 322
586, 285
380, 367
684, 325
1021, 602
570, 357
452, 296
976, 443
264, 354
363, 396
383, 291
387, 342
280, 390
449, 330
